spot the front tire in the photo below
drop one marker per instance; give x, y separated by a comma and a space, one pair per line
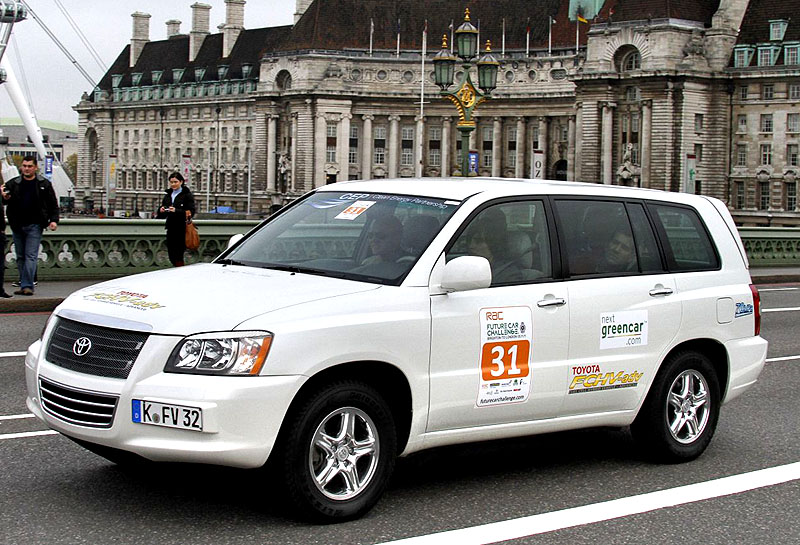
679, 416
338, 451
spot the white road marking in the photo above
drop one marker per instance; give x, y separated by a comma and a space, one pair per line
784, 358
622, 507
17, 416
11, 354
26, 434
787, 309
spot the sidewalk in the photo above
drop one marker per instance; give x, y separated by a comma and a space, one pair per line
50, 293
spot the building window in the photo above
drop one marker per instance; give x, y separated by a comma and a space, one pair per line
488, 137
790, 189
379, 146
632, 61
791, 55
630, 135
698, 122
767, 55
352, 155
763, 195
767, 91
766, 123
633, 94
743, 92
792, 122
698, 152
511, 146
741, 155
739, 195
740, 58
535, 137
766, 154
741, 123
407, 146
792, 155
777, 29
331, 127
435, 146
794, 91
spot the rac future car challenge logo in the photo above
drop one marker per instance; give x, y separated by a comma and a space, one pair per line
127, 299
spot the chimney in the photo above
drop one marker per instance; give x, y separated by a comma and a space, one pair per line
300, 8
141, 34
173, 28
200, 25
234, 24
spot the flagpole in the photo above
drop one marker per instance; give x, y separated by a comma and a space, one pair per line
371, 32
550, 35
503, 52
397, 54
528, 38
422, 80
451, 36
577, 29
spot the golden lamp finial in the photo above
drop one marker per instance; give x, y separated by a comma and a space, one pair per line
444, 41
488, 46
466, 14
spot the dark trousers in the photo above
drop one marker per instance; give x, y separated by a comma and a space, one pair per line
176, 243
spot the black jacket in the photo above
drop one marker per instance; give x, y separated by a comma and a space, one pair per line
184, 201
48, 204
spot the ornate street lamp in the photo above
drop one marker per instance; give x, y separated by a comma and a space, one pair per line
467, 97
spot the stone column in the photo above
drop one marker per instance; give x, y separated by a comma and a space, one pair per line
394, 145
571, 148
343, 146
497, 146
293, 152
646, 140
419, 147
607, 142
320, 144
522, 144
272, 129
445, 143
366, 148
578, 140
543, 145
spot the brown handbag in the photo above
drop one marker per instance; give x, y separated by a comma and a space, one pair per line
192, 237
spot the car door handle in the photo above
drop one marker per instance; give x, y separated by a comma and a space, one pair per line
555, 302
658, 292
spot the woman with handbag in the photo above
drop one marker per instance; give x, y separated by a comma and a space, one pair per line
177, 207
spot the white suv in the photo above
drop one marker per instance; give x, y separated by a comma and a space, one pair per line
375, 319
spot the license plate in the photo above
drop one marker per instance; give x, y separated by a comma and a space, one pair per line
164, 414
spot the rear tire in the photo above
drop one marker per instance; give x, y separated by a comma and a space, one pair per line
337, 452
679, 416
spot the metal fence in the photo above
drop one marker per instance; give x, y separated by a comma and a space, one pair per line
108, 248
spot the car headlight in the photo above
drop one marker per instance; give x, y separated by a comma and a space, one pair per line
222, 353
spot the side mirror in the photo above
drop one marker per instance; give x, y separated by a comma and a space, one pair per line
234, 239
466, 273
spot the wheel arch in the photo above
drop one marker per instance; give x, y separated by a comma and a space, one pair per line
387, 379
714, 351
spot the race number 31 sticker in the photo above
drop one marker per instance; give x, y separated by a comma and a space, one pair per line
506, 338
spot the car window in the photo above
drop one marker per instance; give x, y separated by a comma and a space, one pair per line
514, 237
373, 237
689, 247
597, 237
646, 245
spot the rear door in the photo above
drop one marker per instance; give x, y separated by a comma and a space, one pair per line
624, 307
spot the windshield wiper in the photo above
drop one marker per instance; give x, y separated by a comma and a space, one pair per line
229, 261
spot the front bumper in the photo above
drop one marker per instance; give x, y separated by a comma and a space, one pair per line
241, 415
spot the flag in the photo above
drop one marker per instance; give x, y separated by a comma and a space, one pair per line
581, 18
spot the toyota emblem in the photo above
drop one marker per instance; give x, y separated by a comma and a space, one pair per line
82, 346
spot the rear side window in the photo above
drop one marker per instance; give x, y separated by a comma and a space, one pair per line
688, 246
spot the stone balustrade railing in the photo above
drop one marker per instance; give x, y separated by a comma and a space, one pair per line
108, 248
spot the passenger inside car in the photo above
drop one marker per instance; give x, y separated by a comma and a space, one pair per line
619, 254
384, 238
488, 237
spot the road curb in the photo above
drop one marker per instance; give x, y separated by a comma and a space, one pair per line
21, 303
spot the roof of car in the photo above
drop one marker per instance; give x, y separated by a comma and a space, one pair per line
456, 188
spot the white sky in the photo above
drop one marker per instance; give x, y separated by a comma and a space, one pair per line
55, 84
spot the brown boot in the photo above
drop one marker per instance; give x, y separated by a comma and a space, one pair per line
179, 263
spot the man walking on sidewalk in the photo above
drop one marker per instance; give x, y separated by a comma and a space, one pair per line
32, 207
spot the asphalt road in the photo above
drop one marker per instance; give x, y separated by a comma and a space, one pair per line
52, 491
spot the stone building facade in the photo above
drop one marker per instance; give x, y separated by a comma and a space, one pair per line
643, 94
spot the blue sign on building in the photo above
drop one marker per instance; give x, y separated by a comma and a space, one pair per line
473, 163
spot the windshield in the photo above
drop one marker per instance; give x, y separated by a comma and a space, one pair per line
373, 237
